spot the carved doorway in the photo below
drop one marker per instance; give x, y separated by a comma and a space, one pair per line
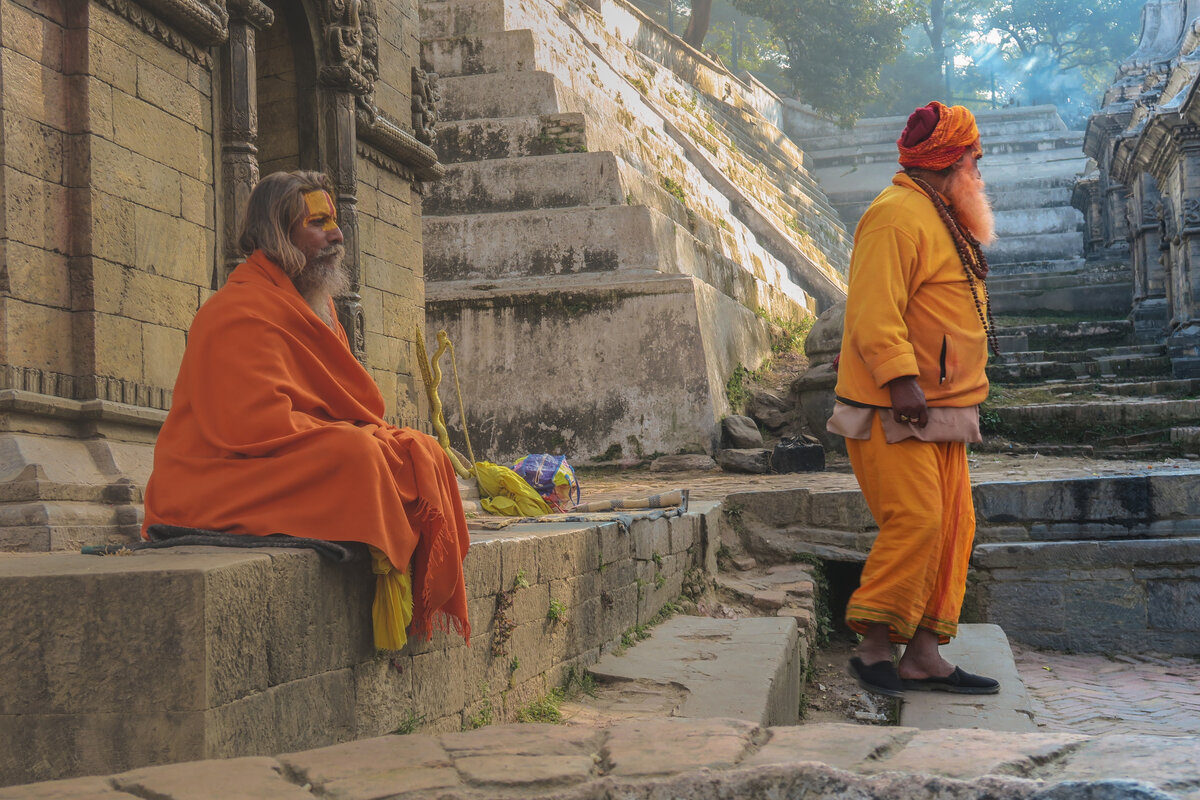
288, 122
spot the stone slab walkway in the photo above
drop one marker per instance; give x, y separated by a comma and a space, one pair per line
700, 759
1097, 694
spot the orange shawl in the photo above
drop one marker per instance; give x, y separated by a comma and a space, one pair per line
276, 428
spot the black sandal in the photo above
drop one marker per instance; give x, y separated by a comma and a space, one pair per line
878, 678
957, 682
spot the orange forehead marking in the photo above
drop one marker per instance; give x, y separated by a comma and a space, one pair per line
320, 204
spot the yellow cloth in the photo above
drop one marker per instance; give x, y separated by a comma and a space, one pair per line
909, 310
507, 493
920, 495
392, 610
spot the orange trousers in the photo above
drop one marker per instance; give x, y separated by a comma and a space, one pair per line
916, 574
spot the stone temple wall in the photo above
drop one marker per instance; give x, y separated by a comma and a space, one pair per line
131, 137
1145, 143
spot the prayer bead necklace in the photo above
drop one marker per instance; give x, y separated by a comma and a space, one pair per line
973, 260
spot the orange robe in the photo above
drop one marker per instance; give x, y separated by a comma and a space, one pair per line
275, 427
910, 311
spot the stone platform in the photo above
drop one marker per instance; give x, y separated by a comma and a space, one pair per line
119, 662
700, 759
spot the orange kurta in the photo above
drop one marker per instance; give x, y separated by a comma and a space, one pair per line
275, 427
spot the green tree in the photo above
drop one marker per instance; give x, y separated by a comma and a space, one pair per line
1046, 39
836, 50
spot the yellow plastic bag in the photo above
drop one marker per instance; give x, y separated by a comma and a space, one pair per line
507, 494
392, 610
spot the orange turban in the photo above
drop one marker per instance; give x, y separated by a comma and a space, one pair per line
936, 137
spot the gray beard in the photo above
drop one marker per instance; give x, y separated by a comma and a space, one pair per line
323, 277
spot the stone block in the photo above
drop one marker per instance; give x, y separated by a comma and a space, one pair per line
162, 352
33, 36
662, 746
573, 591
618, 612
1100, 614
118, 346
440, 683
615, 543
38, 275
121, 172
650, 537
529, 645
518, 556
70, 789
684, 532
167, 247
1173, 605
244, 777
318, 617
568, 554
143, 128
84, 668
531, 603
844, 510
383, 694
37, 212
481, 569
196, 202
34, 90
1026, 606
113, 239
42, 146
47, 746
174, 95
383, 767
618, 574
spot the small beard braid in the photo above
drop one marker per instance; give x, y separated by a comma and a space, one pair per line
970, 205
324, 276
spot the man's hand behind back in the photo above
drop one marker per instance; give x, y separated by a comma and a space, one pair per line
908, 402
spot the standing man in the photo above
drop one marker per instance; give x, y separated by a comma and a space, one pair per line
910, 380
276, 428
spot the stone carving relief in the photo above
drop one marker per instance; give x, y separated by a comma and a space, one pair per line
1191, 215
188, 27
425, 98
343, 33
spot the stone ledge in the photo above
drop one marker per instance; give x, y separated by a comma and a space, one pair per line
697, 759
194, 653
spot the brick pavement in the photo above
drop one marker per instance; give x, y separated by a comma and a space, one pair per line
1096, 694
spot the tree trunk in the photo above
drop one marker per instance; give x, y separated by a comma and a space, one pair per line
697, 27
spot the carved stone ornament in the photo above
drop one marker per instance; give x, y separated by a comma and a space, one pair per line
1191, 214
343, 33
255, 12
188, 27
425, 98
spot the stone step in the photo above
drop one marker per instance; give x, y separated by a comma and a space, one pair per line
1016, 269
1091, 354
512, 137
1019, 222
516, 184
1161, 389
1010, 196
1059, 370
497, 51
606, 239
836, 525
749, 669
1098, 333
442, 18
1108, 596
504, 94
984, 650
1097, 421
999, 150
1035, 247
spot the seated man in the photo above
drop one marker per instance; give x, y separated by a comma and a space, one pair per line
275, 427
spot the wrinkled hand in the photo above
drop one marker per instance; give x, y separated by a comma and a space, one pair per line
908, 402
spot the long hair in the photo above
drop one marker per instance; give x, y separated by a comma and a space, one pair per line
275, 205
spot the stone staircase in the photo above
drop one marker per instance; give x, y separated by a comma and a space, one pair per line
608, 224
1031, 162
1086, 388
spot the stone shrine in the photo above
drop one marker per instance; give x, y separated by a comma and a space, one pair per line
1145, 189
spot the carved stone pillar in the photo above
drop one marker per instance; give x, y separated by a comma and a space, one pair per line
239, 124
1183, 344
1149, 313
340, 124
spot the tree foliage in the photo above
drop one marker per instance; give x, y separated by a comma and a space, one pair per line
836, 49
